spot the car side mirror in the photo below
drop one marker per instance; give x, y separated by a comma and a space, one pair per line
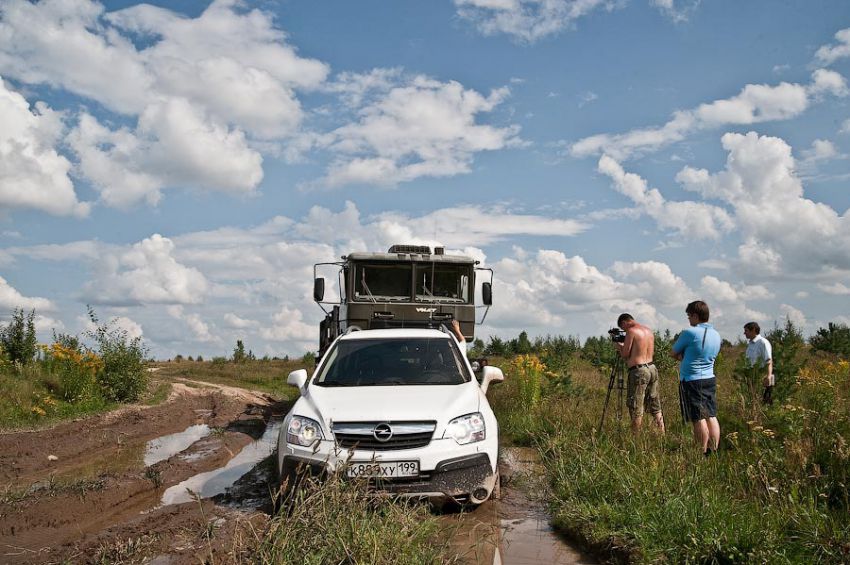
491, 375
319, 289
297, 378
487, 293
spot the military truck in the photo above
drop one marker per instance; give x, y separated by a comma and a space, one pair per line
406, 287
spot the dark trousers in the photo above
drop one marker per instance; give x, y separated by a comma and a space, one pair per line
767, 397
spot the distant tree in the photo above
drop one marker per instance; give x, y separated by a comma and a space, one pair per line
521, 345
477, 349
496, 347
178, 358
599, 351
308, 358
189, 358
200, 358
17, 338
835, 338
239, 352
789, 351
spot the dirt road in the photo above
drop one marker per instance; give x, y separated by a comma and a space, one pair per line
117, 488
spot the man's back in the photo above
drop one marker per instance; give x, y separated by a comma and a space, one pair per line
640, 343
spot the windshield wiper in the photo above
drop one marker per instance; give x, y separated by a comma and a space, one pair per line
365, 286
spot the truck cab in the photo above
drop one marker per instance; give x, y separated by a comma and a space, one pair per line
406, 287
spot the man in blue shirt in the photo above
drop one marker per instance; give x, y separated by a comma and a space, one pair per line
697, 348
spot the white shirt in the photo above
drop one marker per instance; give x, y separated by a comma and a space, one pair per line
759, 350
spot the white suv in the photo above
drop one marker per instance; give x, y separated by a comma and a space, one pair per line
398, 405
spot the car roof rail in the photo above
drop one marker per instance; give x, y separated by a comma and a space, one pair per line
352, 328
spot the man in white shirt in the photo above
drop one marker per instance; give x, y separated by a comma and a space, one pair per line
759, 352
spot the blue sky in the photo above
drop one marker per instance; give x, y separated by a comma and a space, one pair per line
181, 165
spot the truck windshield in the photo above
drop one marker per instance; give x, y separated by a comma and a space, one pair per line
442, 283
382, 282
393, 362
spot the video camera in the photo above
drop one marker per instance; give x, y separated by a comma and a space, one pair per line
617, 335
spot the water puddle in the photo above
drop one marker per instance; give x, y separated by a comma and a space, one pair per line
529, 541
212, 483
164, 447
514, 530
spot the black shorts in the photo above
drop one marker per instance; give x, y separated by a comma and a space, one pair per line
698, 399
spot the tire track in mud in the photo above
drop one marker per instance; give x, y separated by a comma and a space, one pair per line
95, 496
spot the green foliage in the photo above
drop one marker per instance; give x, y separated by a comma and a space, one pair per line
776, 492
599, 351
123, 377
337, 521
476, 349
789, 354
496, 347
835, 338
239, 352
17, 338
308, 359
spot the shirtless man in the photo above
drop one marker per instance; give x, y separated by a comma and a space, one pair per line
637, 349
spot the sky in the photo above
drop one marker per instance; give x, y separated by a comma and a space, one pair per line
180, 166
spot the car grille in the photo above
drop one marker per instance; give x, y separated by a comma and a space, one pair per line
405, 435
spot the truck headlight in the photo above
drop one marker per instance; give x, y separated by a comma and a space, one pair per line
467, 429
303, 431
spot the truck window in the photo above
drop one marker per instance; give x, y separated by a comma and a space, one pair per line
382, 282
442, 283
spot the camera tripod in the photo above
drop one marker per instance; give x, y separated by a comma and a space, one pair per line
615, 380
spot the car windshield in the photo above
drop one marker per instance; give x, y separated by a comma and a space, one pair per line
442, 283
392, 362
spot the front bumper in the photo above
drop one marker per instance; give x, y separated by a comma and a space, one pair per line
443, 473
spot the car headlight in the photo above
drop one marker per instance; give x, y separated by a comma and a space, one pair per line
303, 431
467, 429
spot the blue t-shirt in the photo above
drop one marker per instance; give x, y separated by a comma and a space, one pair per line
700, 345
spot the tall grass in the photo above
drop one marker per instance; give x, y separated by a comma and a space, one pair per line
777, 491
337, 521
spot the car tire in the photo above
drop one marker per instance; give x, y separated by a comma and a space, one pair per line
496, 493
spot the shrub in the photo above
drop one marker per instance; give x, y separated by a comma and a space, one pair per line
18, 339
123, 377
835, 338
788, 357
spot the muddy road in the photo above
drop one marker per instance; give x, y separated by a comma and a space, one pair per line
188, 481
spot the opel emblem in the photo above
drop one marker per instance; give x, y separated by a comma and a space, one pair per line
382, 433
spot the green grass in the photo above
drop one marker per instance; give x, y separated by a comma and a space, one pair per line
337, 521
28, 400
776, 492
265, 376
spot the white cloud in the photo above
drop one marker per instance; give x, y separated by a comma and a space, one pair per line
289, 326
796, 316
691, 219
174, 144
783, 231
718, 264
821, 150
838, 289
121, 323
422, 128
678, 10
146, 274
723, 291
10, 298
231, 320
199, 90
526, 20
199, 328
754, 104
828, 54
32, 173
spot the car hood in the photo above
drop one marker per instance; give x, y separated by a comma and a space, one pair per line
393, 403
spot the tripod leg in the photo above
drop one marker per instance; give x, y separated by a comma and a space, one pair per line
607, 398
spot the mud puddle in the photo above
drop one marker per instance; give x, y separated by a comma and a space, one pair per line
164, 447
514, 530
92, 499
218, 481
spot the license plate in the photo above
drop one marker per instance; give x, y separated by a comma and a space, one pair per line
384, 469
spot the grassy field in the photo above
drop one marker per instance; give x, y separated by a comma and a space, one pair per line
266, 376
777, 490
